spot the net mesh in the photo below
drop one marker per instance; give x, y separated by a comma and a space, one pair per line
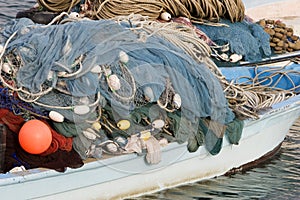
109, 70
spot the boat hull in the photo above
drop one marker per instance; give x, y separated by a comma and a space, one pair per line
129, 175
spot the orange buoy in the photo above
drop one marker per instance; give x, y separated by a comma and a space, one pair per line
35, 136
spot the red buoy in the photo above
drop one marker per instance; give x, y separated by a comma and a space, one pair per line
35, 136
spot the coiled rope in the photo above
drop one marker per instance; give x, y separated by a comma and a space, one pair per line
179, 34
249, 97
196, 10
58, 5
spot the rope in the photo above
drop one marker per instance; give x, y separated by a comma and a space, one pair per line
249, 97
58, 5
179, 34
196, 10
244, 99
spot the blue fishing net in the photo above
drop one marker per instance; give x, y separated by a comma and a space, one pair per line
150, 63
153, 63
245, 38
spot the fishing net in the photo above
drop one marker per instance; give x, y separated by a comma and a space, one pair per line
126, 68
244, 38
85, 62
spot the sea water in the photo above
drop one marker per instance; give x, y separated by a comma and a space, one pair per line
278, 178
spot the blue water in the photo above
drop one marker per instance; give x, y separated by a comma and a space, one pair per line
278, 178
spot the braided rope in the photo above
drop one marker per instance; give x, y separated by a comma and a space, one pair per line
196, 10
249, 97
179, 34
58, 5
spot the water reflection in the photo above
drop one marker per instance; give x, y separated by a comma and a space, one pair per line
277, 178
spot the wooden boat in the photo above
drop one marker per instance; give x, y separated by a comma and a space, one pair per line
129, 175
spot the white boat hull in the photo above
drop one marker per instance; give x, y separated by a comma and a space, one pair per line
129, 175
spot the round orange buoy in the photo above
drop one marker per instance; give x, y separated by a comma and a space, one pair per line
35, 136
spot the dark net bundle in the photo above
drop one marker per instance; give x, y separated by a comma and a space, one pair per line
86, 59
10, 101
244, 38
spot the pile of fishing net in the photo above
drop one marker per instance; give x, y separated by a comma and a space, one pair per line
121, 85
100, 71
244, 38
